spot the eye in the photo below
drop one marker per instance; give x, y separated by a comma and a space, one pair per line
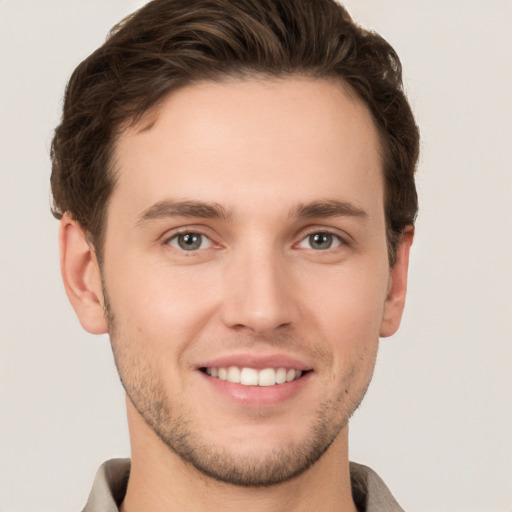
320, 241
190, 241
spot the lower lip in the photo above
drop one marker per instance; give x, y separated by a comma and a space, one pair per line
258, 396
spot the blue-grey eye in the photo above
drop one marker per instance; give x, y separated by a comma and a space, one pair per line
190, 241
320, 241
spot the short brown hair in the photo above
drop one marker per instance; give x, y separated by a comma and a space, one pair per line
171, 43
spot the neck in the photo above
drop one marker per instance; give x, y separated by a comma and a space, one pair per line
161, 481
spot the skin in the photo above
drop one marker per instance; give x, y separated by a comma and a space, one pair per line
258, 151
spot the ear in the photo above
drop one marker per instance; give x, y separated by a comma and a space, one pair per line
397, 288
81, 276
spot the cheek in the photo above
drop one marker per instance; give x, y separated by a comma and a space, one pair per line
159, 306
349, 314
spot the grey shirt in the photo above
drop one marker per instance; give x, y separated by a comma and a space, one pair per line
369, 491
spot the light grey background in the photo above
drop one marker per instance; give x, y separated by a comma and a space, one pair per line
437, 422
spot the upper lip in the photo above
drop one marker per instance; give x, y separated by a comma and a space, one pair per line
258, 362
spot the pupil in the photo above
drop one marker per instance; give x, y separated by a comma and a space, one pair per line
189, 241
321, 240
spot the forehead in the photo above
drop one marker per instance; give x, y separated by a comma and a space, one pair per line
250, 140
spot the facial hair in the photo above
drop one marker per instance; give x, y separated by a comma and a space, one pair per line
178, 432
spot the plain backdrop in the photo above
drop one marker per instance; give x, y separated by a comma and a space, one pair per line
437, 421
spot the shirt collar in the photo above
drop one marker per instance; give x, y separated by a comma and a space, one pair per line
369, 491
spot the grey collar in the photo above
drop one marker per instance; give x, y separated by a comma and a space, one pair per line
369, 491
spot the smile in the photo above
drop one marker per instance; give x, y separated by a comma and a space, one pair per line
254, 377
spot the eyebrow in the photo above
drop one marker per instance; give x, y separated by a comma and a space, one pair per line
189, 208
172, 208
328, 208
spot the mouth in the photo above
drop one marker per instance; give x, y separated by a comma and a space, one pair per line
247, 376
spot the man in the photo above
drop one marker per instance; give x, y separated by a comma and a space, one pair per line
235, 183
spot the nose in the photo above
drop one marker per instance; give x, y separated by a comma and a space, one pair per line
259, 293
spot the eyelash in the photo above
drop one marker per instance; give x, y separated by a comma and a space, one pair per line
176, 236
339, 240
336, 238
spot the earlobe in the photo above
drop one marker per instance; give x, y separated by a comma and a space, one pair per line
395, 300
81, 276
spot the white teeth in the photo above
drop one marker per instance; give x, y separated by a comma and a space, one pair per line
249, 377
290, 375
253, 377
267, 377
281, 376
233, 375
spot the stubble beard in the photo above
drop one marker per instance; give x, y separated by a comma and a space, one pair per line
221, 464
179, 434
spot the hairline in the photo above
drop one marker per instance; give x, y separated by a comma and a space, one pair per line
145, 119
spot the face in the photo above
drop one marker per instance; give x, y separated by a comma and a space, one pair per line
246, 272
